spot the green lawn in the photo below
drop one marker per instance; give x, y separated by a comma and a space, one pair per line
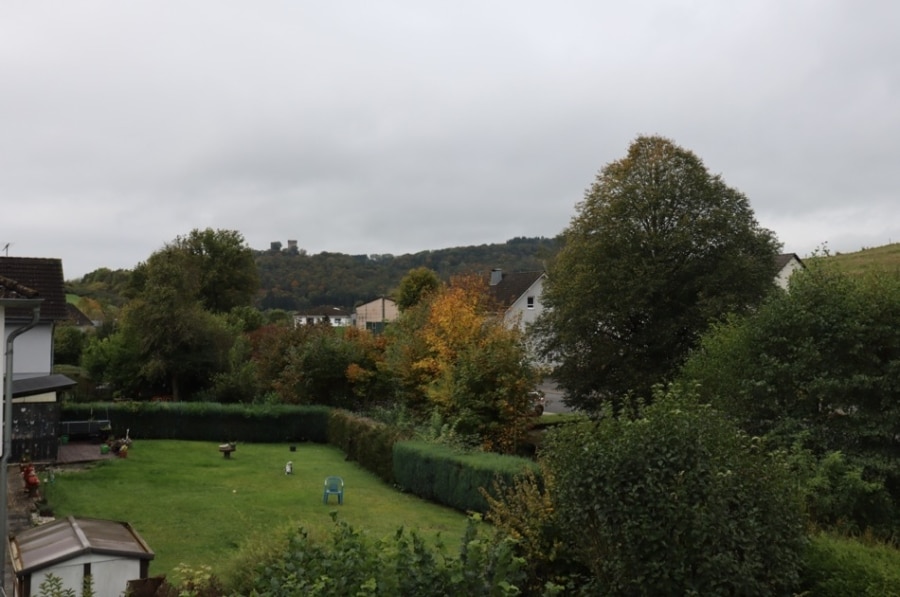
193, 506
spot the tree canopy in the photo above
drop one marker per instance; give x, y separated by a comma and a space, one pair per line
819, 365
658, 249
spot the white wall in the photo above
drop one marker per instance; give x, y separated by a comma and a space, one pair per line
785, 274
519, 310
110, 574
32, 351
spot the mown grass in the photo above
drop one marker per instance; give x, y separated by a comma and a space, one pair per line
195, 507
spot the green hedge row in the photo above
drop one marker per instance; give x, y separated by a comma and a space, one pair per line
368, 442
207, 421
441, 474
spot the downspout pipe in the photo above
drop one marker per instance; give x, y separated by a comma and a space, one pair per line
7, 424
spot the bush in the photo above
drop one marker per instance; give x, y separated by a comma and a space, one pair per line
838, 566
838, 496
675, 501
351, 563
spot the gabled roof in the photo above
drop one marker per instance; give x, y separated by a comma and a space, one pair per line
785, 258
513, 285
63, 539
77, 316
44, 275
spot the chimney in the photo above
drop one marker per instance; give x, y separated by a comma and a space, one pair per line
496, 276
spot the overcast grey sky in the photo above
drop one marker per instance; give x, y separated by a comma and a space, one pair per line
401, 126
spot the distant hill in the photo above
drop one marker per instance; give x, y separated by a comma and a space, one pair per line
291, 279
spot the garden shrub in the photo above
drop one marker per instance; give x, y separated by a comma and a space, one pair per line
837, 566
675, 501
837, 495
524, 511
351, 563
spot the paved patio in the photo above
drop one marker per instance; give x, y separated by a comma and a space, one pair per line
73, 453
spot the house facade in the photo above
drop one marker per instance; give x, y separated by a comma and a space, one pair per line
785, 266
336, 316
374, 315
35, 420
519, 295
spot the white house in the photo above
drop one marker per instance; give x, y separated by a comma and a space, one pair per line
110, 552
785, 266
336, 316
34, 386
519, 295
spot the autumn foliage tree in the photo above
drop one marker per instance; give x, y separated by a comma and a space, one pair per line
460, 360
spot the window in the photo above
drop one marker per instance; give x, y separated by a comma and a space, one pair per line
530, 300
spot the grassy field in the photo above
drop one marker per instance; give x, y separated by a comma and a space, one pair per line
195, 507
884, 258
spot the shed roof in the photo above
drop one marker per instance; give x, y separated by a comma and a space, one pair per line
43, 274
29, 386
40, 547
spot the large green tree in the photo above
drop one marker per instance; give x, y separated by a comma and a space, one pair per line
658, 249
416, 285
221, 266
180, 345
175, 323
818, 364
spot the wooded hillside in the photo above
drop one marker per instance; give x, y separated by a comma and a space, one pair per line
292, 279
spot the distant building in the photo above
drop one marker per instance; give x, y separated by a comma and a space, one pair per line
785, 266
374, 315
519, 295
334, 315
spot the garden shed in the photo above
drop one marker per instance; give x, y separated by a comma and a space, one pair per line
111, 552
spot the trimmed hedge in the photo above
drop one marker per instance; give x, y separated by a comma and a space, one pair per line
441, 474
364, 440
207, 421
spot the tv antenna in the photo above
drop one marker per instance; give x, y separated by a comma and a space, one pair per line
6, 249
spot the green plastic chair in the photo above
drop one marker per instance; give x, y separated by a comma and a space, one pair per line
334, 486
